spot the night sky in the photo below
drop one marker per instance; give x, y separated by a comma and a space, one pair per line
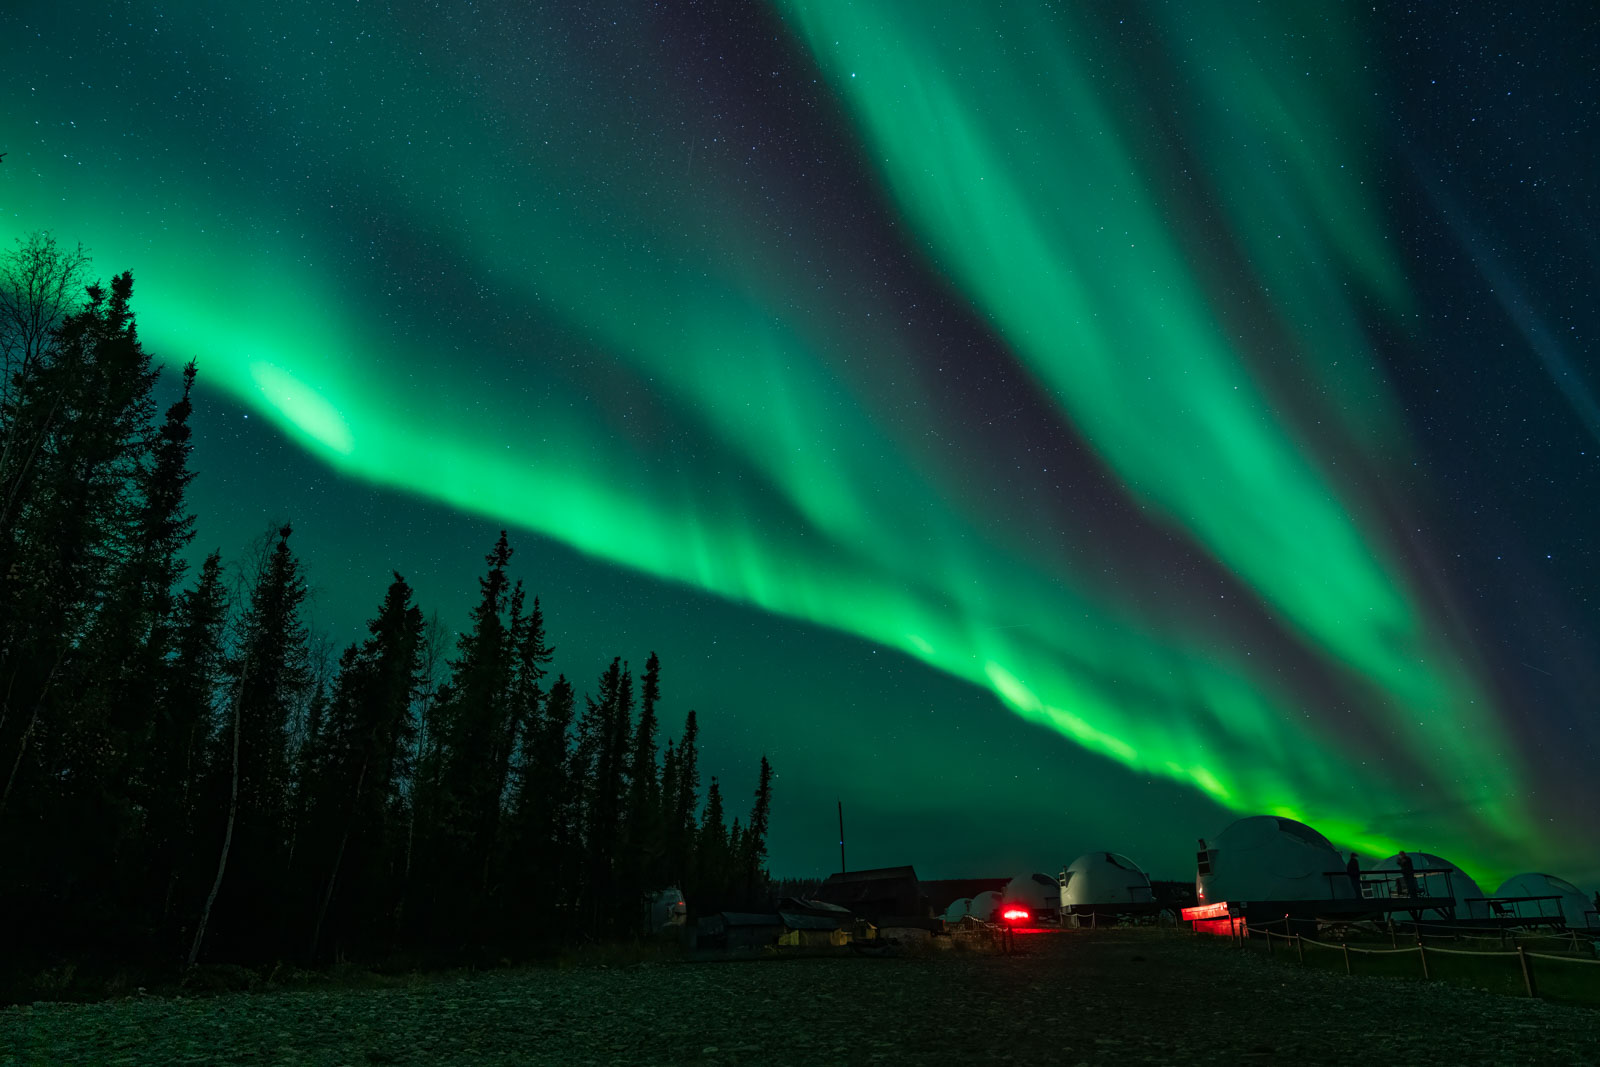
1043, 426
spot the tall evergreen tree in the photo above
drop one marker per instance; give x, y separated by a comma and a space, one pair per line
709, 867
78, 430
270, 676
752, 853
542, 843
366, 753
175, 755
473, 718
642, 820
680, 832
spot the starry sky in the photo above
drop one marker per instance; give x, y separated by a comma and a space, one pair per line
1041, 426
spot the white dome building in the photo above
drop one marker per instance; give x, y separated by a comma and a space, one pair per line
1039, 893
958, 910
985, 906
1438, 877
1105, 881
1267, 857
1576, 909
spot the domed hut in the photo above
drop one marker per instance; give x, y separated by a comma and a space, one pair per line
1105, 883
1038, 894
1525, 896
1269, 858
1438, 877
985, 907
958, 910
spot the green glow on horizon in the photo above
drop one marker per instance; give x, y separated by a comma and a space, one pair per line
806, 493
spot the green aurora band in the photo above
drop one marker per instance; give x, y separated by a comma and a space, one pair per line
663, 365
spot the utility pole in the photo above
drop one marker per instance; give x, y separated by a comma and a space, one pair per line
842, 867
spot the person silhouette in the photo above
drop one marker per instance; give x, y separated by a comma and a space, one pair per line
1353, 869
1408, 877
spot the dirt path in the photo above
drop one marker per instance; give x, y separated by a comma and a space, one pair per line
1068, 998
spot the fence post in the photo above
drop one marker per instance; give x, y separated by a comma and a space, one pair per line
1422, 951
1346, 948
1299, 950
1393, 941
1527, 972
1269, 942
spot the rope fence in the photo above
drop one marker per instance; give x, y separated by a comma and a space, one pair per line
1583, 984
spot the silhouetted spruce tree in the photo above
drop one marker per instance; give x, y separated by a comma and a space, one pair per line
79, 429
644, 847
309, 742
667, 789
270, 676
752, 852
186, 702
683, 800
600, 764
707, 890
472, 716
365, 754
542, 867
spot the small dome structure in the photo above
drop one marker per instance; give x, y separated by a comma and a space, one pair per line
1268, 857
1034, 891
958, 910
1104, 880
1039, 893
1576, 909
1438, 877
985, 906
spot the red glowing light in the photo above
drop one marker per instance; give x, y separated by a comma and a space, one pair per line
1012, 915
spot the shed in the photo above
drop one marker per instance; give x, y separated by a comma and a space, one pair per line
738, 929
808, 927
882, 893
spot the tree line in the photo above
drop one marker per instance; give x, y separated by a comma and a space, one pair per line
182, 776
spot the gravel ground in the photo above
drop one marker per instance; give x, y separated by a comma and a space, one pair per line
1074, 997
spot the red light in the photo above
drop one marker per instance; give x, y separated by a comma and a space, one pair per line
1013, 915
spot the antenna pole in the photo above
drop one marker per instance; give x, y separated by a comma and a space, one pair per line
842, 867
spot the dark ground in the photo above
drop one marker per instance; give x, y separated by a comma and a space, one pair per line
1076, 997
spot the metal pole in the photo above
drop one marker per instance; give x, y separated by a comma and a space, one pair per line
1422, 951
842, 867
1527, 972
1346, 948
1300, 950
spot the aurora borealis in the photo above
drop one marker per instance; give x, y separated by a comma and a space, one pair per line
1202, 385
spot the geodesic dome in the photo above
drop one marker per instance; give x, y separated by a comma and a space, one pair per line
1268, 857
1432, 882
958, 910
1039, 893
985, 906
1097, 879
1577, 910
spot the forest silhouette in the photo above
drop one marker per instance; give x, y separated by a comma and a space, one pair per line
184, 780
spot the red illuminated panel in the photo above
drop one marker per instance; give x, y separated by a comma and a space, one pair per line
1015, 915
